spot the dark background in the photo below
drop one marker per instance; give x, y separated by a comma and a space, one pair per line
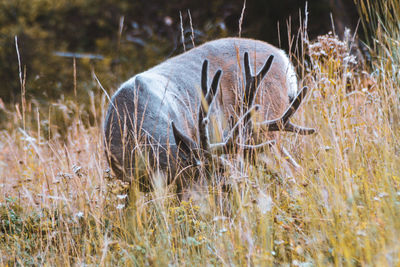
116, 39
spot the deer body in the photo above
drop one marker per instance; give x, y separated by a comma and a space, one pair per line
161, 107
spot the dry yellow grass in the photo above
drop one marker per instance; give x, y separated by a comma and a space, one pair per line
60, 206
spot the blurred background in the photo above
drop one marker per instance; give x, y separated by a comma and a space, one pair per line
64, 44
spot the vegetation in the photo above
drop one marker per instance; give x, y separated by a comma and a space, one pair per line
59, 205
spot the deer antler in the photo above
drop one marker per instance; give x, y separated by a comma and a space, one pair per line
185, 143
204, 147
204, 108
251, 85
253, 82
283, 123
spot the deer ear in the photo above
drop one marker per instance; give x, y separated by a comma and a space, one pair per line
185, 143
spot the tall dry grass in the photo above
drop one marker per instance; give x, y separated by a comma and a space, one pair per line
60, 206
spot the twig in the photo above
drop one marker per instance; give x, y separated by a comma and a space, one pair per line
191, 27
241, 19
182, 33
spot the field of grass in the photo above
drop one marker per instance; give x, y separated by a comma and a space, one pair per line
59, 204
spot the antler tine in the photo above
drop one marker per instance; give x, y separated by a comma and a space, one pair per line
210, 96
204, 80
294, 106
185, 143
291, 127
265, 68
247, 70
251, 80
283, 123
204, 107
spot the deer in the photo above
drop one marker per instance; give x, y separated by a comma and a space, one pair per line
162, 118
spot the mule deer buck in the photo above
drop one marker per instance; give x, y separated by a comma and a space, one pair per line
168, 108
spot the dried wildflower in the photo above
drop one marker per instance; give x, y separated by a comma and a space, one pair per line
77, 170
62, 176
122, 196
120, 206
107, 174
328, 47
332, 59
79, 214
